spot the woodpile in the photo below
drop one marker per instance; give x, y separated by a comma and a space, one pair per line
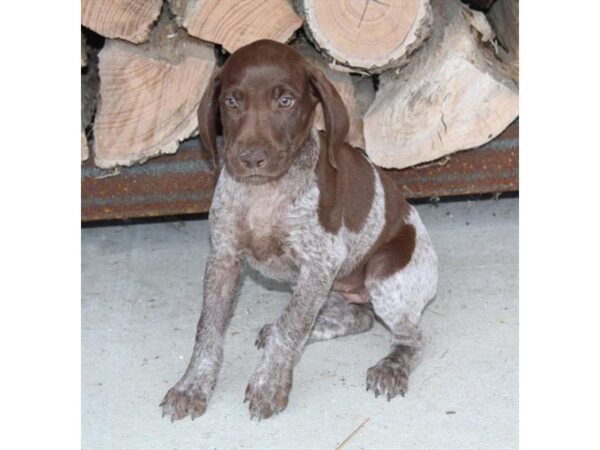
420, 78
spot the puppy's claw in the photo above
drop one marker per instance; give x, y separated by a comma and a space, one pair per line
387, 379
179, 404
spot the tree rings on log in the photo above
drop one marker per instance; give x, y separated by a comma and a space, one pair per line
125, 19
367, 35
235, 23
149, 95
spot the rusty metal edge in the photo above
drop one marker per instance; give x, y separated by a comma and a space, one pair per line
183, 183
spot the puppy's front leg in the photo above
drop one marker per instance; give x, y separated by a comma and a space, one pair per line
191, 393
270, 384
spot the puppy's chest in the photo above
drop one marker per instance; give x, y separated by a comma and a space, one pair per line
262, 227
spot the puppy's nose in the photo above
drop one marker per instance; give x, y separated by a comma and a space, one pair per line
253, 159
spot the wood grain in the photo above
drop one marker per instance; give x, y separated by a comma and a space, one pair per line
125, 19
454, 94
149, 95
504, 17
367, 35
235, 23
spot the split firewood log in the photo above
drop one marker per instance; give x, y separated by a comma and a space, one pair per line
455, 94
149, 94
85, 150
125, 19
504, 17
90, 84
481, 5
367, 35
83, 51
235, 23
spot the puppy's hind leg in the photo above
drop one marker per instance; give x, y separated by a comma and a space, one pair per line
389, 376
399, 298
338, 317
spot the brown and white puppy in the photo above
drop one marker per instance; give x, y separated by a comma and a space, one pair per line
306, 208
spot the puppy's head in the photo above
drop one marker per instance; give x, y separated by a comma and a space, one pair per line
264, 97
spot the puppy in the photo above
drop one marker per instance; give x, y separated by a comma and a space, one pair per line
303, 207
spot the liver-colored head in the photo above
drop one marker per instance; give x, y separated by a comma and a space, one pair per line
265, 97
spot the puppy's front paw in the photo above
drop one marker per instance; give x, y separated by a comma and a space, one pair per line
179, 403
268, 395
387, 378
263, 336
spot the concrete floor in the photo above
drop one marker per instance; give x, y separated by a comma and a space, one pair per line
141, 300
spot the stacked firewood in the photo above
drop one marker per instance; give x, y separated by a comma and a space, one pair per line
420, 78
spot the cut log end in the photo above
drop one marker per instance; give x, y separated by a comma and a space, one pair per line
235, 24
149, 95
367, 35
125, 19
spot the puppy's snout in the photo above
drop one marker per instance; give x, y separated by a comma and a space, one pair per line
253, 159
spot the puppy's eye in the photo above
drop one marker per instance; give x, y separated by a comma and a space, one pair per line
286, 101
231, 102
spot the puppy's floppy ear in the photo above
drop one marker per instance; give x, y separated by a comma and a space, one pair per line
208, 114
335, 112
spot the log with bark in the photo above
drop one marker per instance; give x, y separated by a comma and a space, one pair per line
83, 51
125, 19
149, 94
504, 17
90, 84
85, 151
356, 91
235, 23
481, 5
367, 36
454, 95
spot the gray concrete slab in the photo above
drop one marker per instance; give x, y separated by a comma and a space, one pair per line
141, 296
